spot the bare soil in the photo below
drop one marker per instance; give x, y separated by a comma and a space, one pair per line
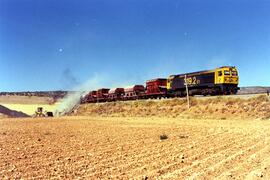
126, 147
7, 99
5, 112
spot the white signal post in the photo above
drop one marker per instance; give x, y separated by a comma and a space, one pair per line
187, 91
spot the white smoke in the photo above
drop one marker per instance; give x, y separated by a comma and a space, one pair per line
73, 98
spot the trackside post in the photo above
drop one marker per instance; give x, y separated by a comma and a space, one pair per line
187, 91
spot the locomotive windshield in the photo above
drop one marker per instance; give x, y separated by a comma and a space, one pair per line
234, 73
226, 72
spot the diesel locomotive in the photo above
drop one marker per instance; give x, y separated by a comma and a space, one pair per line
220, 81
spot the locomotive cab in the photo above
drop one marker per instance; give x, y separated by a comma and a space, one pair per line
226, 75
227, 78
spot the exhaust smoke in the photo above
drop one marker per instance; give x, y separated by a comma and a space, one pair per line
73, 98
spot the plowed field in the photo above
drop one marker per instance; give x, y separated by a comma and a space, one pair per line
122, 148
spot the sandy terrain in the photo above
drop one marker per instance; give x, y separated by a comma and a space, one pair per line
122, 148
28, 104
30, 108
6, 112
25, 100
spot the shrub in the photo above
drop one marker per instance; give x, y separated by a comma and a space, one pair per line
163, 137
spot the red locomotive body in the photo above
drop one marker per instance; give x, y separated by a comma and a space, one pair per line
116, 94
102, 95
156, 87
134, 92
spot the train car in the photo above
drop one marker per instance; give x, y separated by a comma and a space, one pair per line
102, 95
133, 92
156, 88
90, 97
223, 80
116, 94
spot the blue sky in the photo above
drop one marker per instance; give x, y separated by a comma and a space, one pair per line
51, 45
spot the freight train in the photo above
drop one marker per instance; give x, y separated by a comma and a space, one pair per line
219, 81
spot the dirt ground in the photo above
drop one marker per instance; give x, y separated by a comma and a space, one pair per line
124, 147
28, 104
25, 100
30, 109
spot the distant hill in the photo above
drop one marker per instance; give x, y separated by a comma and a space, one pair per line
253, 90
52, 94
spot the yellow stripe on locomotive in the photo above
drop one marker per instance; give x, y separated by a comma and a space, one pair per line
169, 82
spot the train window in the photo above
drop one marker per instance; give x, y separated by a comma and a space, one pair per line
226, 72
234, 73
219, 73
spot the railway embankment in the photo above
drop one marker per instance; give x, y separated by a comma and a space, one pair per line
220, 107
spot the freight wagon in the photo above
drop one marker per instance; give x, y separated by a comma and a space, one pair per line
116, 94
102, 94
133, 92
156, 88
90, 97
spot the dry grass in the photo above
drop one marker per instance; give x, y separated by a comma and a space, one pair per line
216, 107
163, 137
25, 100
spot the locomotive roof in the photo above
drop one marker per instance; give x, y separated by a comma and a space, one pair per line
202, 72
226, 67
103, 89
151, 80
